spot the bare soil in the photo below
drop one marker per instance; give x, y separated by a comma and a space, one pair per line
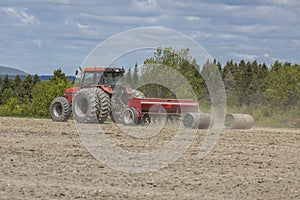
41, 159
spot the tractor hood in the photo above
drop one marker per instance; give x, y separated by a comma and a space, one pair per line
71, 91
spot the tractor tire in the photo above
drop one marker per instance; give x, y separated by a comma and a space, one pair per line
91, 105
105, 105
118, 106
60, 109
129, 117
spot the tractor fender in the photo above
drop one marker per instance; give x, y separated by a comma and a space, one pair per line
107, 89
70, 92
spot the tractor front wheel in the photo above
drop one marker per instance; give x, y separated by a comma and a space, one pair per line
60, 109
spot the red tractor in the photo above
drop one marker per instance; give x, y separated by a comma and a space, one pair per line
98, 97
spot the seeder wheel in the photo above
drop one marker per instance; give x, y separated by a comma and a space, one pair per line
129, 117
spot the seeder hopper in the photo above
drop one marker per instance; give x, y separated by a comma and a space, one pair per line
145, 110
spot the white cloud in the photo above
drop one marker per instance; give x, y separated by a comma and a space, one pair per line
200, 35
145, 5
87, 29
261, 58
244, 47
284, 2
37, 42
21, 15
245, 56
193, 18
84, 28
296, 42
255, 29
276, 14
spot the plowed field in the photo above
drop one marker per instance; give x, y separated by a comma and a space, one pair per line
41, 159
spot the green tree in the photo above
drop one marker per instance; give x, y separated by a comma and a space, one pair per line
6, 90
230, 85
58, 74
7, 94
36, 79
128, 77
135, 76
17, 82
1, 92
173, 69
27, 88
6, 83
17, 87
14, 107
283, 86
228, 73
257, 84
44, 92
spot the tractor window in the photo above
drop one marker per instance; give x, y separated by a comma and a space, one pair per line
111, 78
91, 78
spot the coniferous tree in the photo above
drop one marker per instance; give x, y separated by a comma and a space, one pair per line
58, 74
6, 83
6, 90
36, 79
128, 77
1, 82
135, 76
27, 87
16, 82
17, 87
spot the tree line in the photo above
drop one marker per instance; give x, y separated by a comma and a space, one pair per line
30, 97
246, 83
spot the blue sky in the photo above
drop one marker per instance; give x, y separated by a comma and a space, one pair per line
39, 36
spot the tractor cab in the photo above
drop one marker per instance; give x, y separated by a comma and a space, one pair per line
101, 76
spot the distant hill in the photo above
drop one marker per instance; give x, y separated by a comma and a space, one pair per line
11, 71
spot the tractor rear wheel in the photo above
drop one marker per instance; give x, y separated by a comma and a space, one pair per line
104, 105
117, 106
91, 105
60, 109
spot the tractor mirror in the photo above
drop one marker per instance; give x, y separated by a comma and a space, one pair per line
76, 73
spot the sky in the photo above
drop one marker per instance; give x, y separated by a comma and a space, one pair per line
39, 36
